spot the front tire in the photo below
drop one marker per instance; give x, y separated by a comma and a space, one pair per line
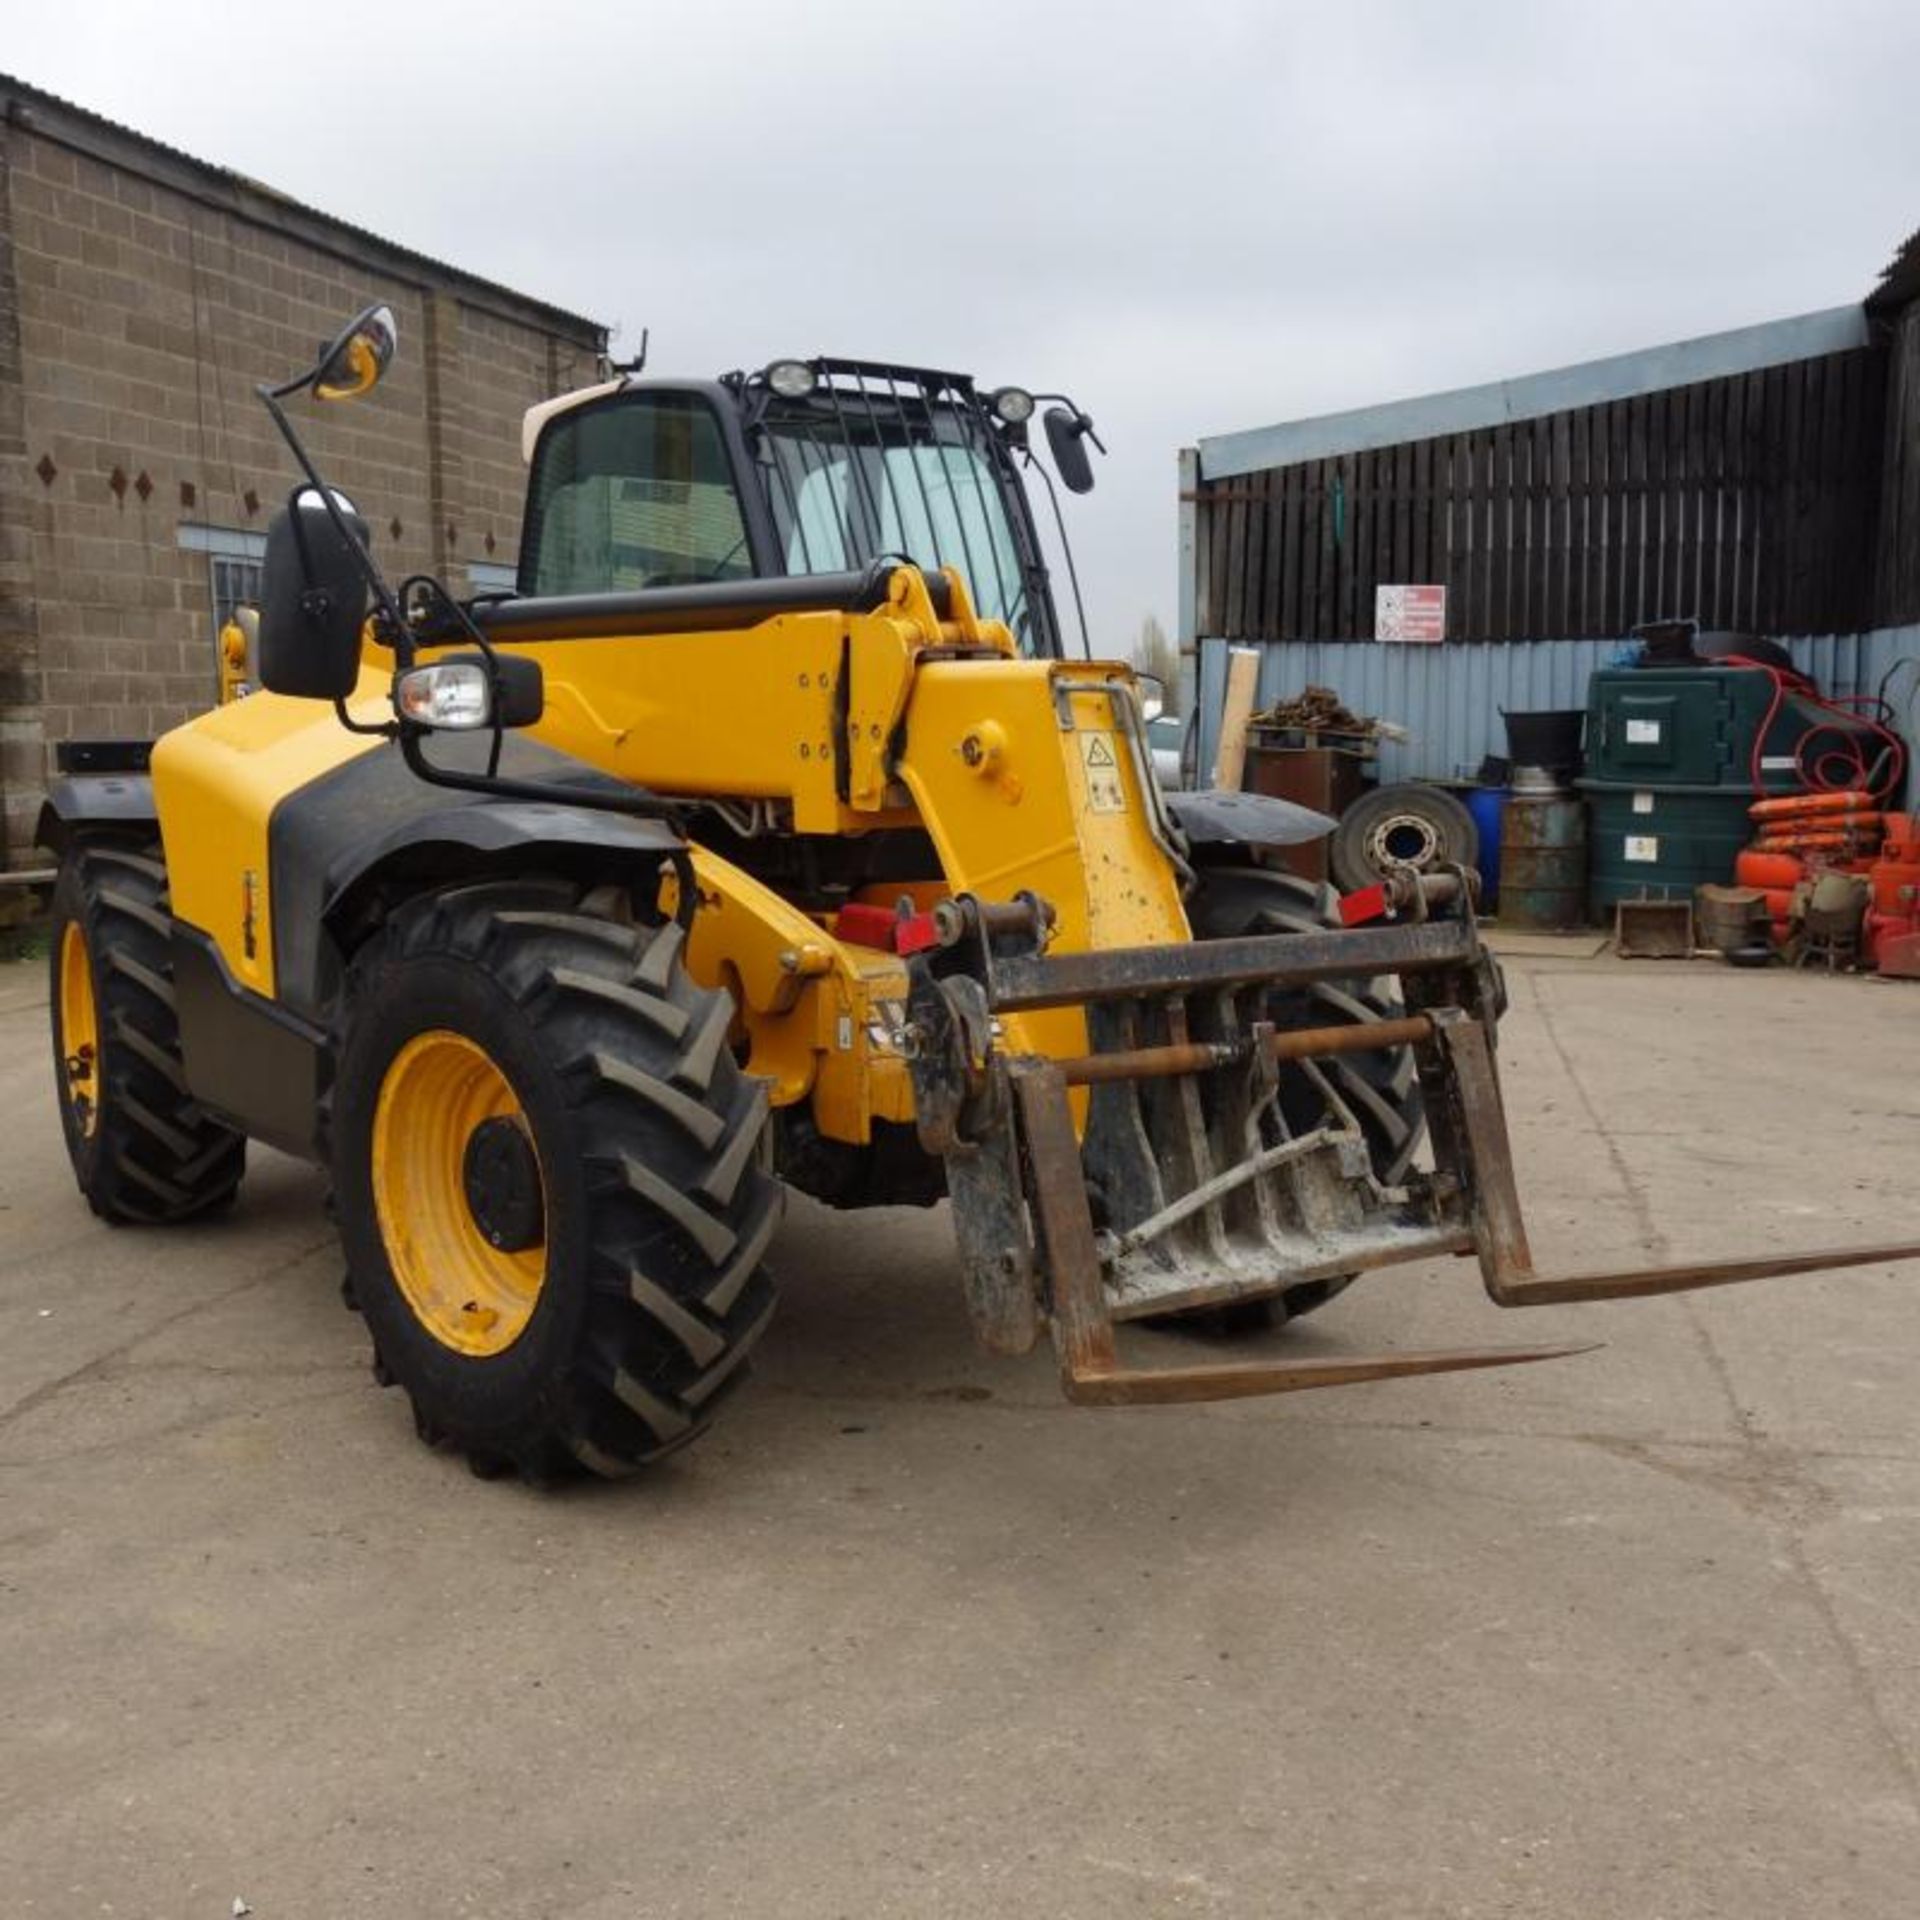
143, 1148
547, 1177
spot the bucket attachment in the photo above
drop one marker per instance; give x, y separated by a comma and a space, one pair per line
1178, 1184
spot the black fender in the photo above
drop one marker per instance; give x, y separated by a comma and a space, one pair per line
1215, 816
79, 802
374, 827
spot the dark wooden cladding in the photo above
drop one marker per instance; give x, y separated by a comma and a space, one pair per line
1780, 501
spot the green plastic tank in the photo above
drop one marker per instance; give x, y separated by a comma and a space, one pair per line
1660, 843
1671, 772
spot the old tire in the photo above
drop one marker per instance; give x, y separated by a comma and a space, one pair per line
143, 1149
1403, 825
547, 1176
1381, 1089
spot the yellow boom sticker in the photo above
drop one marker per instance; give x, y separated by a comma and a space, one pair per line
1105, 791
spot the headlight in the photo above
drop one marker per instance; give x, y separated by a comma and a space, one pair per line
453, 697
1014, 405
791, 379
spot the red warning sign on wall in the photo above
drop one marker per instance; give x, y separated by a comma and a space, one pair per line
1410, 613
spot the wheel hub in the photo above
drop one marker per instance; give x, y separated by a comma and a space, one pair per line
502, 1179
459, 1194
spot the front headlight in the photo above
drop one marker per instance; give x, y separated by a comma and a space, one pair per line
454, 697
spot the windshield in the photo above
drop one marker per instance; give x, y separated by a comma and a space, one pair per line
853, 477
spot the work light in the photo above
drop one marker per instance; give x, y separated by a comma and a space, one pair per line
791, 379
1014, 405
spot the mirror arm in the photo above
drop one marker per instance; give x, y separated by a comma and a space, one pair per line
270, 398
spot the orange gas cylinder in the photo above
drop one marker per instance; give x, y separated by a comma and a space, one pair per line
1896, 885
1800, 806
1752, 868
1878, 929
1846, 845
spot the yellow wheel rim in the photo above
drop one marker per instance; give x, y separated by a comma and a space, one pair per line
470, 1294
79, 1030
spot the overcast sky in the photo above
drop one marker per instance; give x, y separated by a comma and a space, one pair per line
1195, 217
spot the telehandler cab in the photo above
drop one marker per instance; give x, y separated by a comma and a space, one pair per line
766, 836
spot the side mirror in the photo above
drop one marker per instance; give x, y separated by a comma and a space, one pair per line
313, 601
358, 355
1067, 432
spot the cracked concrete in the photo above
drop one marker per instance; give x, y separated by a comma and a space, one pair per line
1630, 1635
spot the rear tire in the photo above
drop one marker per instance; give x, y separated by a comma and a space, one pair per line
1407, 824
1381, 1089
614, 1335
143, 1148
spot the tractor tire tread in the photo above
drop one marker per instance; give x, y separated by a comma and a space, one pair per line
676, 1213
156, 1156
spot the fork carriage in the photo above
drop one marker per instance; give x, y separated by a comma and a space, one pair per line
1156, 1173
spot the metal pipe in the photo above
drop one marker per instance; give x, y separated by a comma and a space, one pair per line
1199, 1056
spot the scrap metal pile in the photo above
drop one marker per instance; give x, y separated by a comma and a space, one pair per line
1317, 710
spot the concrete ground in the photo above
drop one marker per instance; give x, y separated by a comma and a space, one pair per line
1629, 1635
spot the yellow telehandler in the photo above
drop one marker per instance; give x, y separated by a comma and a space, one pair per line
765, 837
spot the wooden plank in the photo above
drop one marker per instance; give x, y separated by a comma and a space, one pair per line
1459, 484
1325, 603
1641, 579
1791, 617
1692, 502
1213, 530
1243, 676
1346, 582
1270, 516
1312, 536
1771, 521
1538, 624
1236, 593
1583, 547
1715, 564
1401, 484
1660, 528
1420, 516
1561, 598
1619, 521
1500, 606
1290, 503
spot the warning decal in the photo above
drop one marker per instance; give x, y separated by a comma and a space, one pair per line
1105, 792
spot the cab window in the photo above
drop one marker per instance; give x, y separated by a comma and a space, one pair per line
633, 493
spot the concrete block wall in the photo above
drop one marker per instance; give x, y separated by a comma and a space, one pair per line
136, 315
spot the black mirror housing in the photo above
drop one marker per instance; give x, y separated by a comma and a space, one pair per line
1067, 437
313, 602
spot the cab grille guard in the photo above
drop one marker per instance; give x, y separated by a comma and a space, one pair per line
1205, 1201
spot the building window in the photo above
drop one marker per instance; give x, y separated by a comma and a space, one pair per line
233, 567
488, 576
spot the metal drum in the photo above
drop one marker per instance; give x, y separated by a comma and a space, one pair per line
1543, 857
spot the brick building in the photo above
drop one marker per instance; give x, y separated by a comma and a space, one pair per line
143, 293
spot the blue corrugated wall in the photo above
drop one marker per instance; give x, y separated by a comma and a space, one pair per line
1450, 698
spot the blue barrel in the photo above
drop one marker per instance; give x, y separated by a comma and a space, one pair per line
1484, 804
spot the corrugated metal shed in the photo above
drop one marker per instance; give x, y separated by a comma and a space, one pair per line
1450, 698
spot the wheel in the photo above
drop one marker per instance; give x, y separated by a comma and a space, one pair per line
1380, 1089
1404, 825
143, 1149
547, 1179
